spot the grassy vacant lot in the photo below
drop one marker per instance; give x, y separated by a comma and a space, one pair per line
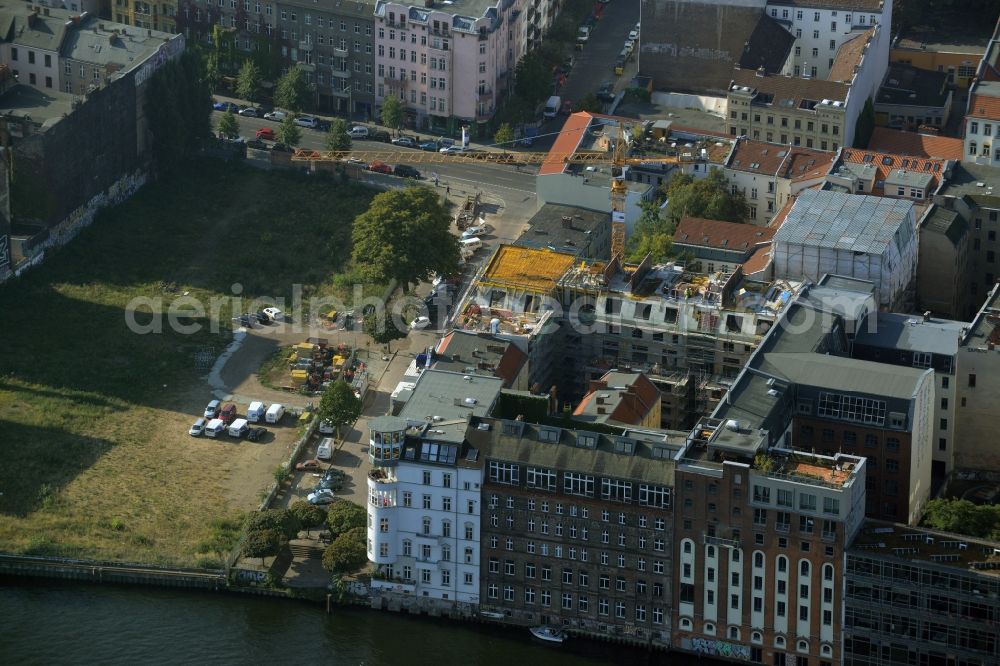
91, 464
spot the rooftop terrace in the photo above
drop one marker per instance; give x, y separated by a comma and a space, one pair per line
924, 545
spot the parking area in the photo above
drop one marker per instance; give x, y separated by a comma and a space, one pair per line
594, 63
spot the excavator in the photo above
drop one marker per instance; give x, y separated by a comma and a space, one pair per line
617, 157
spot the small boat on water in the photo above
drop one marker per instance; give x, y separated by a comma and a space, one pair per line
549, 634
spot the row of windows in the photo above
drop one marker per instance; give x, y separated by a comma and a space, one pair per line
825, 128
581, 603
796, 140
573, 511
584, 485
579, 577
560, 551
574, 532
850, 438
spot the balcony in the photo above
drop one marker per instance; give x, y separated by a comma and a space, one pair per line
485, 94
782, 528
341, 73
343, 93
341, 53
720, 542
306, 66
306, 46
379, 475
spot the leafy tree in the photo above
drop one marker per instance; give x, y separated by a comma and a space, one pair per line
504, 136
288, 132
229, 126
248, 81
865, 125
280, 520
516, 110
653, 234
212, 73
309, 515
337, 137
404, 235
339, 405
392, 113
710, 197
292, 90
345, 516
532, 80
963, 517
280, 474
381, 330
263, 543
589, 103
347, 552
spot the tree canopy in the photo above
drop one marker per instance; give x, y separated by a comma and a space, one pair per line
289, 133
392, 112
381, 329
345, 516
248, 81
504, 136
281, 520
710, 197
347, 552
404, 235
229, 126
532, 80
963, 517
337, 137
263, 543
589, 102
292, 90
308, 515
339, 405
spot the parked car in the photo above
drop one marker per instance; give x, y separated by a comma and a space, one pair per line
567, 107
474, 230
379, 135
322, 497
325, 449
380, 167
249, 112
244, 320
277, 116
311, 465
212, 410
262, 317
330, 482
256, 434
322, 125
197, 428
606, 93
239, 428
307, 121
226, 106
358, 132
420, 323
453, 150
257, 144
266, 133
445, 142
326, 427
228, 413
406, 171
274, 314
633, 35
430, 146
404, 141
282, 148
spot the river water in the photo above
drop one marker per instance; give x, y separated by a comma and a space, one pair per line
55, 622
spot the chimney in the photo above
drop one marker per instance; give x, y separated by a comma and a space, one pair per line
600, 401
761, 72
567, 222
927, 315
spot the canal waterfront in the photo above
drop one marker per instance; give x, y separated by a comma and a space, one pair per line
55, 622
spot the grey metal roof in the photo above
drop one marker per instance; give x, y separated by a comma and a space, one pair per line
39, 31
948, 222
848, 375
99, 43
909, 178
891, 330
447, 399
842, 221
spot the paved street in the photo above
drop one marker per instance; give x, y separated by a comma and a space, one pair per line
595, 63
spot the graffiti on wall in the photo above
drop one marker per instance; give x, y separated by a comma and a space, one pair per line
167, 51
718, 648
82, 217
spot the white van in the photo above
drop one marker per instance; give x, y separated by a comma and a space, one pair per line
255, 412
325, 450
470, 244
238, 428
326, 427
274, 413
215, 428
552, 106
358, 132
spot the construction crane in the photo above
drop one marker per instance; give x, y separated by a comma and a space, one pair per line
617, 157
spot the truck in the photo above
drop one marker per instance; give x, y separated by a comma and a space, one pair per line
552, 106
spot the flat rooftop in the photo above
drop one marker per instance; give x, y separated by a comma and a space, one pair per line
526, 268
908, 86
978, 182
44, 107
917, 544
985, 329
951, 32
564, 228
912, 333
446, 400
843, 221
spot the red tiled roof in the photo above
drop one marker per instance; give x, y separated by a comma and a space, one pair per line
791, 88
722, 235
779, 160
758, 261
981, 106
629, 406
913, 143
572, 132
849, 56
886, 163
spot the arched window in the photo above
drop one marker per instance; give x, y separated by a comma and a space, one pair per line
758, 560
803, 646
782, 564
687, 546
804, 568
779, 641
710, 551
828, 572
757, 637
709, 628
826, 651
685, 623
734, 633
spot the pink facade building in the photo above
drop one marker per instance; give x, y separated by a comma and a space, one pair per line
452, 63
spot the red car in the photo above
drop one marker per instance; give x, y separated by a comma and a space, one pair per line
266, 133
228, 413
380, 167
312, 465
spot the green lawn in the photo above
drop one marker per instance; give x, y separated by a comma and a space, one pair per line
86, 469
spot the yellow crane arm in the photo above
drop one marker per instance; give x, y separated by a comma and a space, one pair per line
498, 157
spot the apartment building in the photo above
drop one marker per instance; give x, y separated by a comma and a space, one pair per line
978, 389
332, 42
822, 27
912, 98
148, 15
424, 496
621, 398
943, 272
917, 596
717, 245
759, 537
571, 229
481, 353
955, 50
450, 63
887, 175
973, 191
577, 528
982, 123
920, 342
860, 236
769, 175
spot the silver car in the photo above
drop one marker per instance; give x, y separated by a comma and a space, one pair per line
197, 428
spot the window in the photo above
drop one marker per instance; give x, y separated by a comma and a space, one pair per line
427, 478
544, 479
427, 501
615, 490
578, 484
407, 498
972, 380
506, 473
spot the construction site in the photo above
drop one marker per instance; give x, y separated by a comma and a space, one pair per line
311, 365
